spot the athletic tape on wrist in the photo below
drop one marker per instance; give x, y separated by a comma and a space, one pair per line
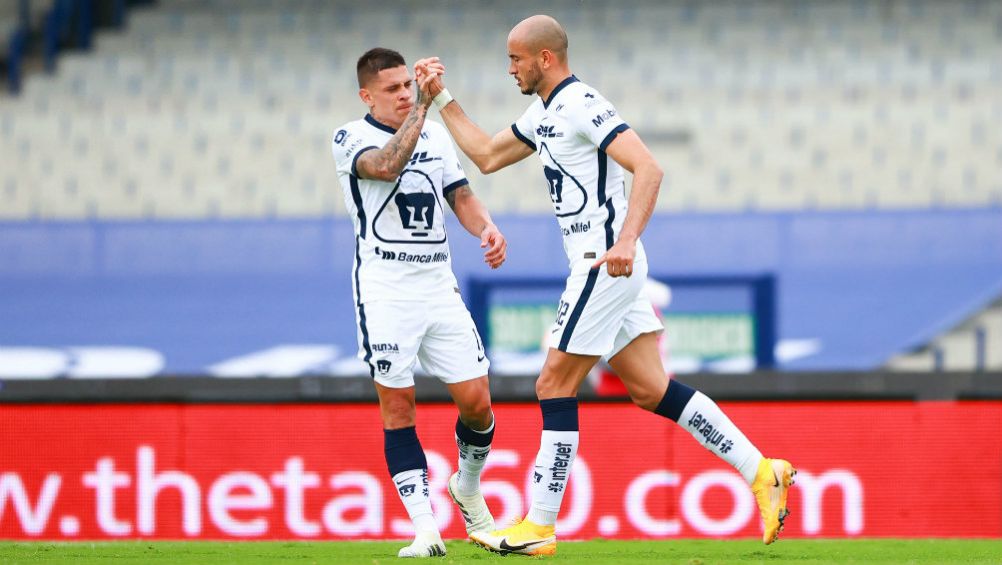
442, 98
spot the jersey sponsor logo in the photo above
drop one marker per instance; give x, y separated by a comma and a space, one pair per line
340, 136
404, 257
568, 195
422, 157
591, 100
577, 227
438, 257
561, 465
601, 118
711, 436
547, 132
385, 348
354, 145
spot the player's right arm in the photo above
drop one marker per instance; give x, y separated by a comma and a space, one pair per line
488, 153
386, 163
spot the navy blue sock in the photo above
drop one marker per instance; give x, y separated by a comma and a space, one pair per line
473, 437
560, 414
674, 401
403, 450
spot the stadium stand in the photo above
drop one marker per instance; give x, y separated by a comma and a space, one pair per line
224, 109
967, 347
861, 139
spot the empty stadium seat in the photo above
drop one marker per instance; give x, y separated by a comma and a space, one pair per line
230, 103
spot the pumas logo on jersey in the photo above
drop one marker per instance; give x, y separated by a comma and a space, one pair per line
601, 118
547, 131
417, 211
556, 181
412, 212
383, 366
568, 195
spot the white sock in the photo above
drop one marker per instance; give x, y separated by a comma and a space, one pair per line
549, 480
702, 418
412, 487
472, 459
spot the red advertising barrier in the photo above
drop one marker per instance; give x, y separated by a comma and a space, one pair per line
299, 471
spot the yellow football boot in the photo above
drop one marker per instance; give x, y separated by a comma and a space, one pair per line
524, 537
771, 487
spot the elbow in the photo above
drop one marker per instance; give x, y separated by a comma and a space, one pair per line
485, 164
656, 172
386, 174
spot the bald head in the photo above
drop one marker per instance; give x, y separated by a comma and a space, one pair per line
540, 32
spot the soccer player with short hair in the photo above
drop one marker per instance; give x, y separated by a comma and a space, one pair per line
584, 145
396, 169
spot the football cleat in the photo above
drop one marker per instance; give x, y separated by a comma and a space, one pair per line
475, 512
524, 537
426, 544
771, 487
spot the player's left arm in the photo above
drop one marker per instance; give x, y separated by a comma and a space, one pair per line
632, 154
472, 213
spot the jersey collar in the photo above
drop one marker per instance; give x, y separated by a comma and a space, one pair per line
379, 125
556, 89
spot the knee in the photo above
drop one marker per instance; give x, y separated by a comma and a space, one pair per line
646, 398
547, 385
477, 414
398, 414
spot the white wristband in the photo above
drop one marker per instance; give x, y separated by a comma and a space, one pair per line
442, 98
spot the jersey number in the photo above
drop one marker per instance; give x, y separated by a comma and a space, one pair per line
562, 312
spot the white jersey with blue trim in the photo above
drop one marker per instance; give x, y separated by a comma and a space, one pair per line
401, 250
570, 132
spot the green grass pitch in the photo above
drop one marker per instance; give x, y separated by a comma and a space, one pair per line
596, 552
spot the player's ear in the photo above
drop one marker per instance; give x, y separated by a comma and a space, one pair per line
547, 58
363, 93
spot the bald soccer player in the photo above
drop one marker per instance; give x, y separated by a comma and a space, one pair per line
584, 145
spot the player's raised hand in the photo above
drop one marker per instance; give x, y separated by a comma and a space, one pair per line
425, 72
496, 244
619, 258
431, 66
429, 71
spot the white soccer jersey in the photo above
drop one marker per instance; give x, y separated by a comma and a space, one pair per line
401, 252
570, 132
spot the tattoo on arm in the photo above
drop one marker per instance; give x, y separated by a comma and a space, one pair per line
386, 163
465, 190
